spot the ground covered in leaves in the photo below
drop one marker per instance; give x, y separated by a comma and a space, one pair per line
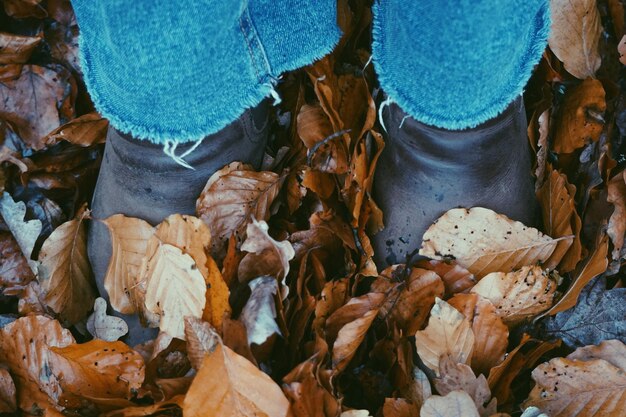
278, 308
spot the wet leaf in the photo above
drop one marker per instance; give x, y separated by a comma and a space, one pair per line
64, 273
104, 327
228, 384
266, 256
175, 288
519, 295
455, 404
447, 333
232, 197
575, 34
483, 241
582, 116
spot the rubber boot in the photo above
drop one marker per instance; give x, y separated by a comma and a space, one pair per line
139, 180
424, 171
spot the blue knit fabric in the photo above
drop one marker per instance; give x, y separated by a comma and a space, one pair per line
458, 63
168, 70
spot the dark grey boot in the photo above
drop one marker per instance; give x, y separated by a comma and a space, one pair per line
425, 171
137, 179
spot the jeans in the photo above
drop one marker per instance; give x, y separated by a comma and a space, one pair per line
173, 72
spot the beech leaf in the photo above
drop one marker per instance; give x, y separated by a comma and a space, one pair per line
201, 340
483, 241
87, 130
259, 313
104, 327
8, 403
16, 49
227, 384
454, 404
350, 338
617, 223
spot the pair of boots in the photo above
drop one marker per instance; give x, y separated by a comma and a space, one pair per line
423, 172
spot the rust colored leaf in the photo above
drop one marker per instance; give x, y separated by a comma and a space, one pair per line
129, 241
305, 393
483, 241
355, 308
582, 116
399, 407
15, 49
617, 222
448, 333
491, 335
8, 403
228, 384
456, 279
25, 348
266, 256
171, 407
519, 295
231, 198
561, 220
34, 102
350, 338
65, 274
87, 130
104, 327
96, 370
217, 305
575, 34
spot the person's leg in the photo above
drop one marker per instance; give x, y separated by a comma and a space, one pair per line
183, 86
454, 119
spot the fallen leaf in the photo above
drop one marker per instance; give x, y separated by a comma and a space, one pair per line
459, 377
399, 407
455, 404
87, 130
570, 387
14, 270
34, 102
519, 295
96, 370
582, 116
612, 351
24, 231
483, 241
617, 223
575, 34
543, 123
355, 413
491, 335
64, 271
259, 314
621, 49
217, 293
171, 407
16, 49
355, 308
232, 197
595, 265
307, 396
599, 314
266, 256
350, 338
20, 9
129, 242
561, 220
201, 340
228, 384
8, 404
456, 279
25, 348
104, 327
175, 288
447, 333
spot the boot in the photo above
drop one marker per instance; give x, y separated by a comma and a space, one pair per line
137, 179
424, 171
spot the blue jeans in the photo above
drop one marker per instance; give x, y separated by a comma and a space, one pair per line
173, 71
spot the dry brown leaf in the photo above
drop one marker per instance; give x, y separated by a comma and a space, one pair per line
408, 301
129, 241
104, 327
356, 307
350, 338
229, 385
24, 8
217, 293
612, 351
15, 273
87, 130
570, 387
96, 370
582, 116
519, 295
266, 256
448, 333
16, 49
399, 407
455, 404
64, 273
617, 223
456, 279
575, 34
460, 377
595, 265
491, 335
560, 220
34, 102
8, 403
25, 348
201, 340
175, 288
305, 393
483, 241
